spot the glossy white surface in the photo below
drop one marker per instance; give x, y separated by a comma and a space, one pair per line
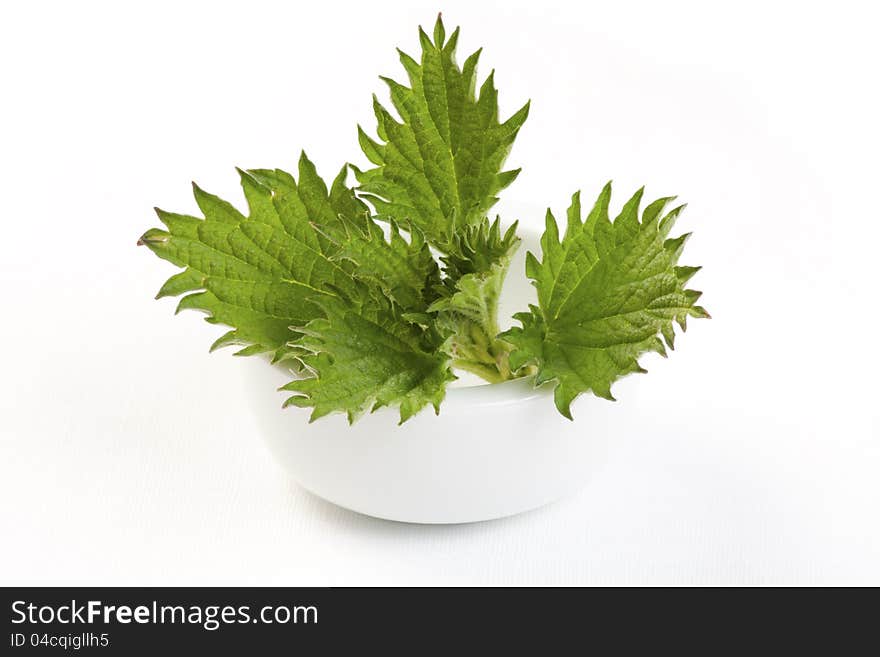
493, 451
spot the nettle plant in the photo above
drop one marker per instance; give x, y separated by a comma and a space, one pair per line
344, 286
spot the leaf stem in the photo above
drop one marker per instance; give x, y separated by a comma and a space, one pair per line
487, 372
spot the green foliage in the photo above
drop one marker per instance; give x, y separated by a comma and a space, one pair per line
606, 291
439, 169
379, 293
467, 313
364, 356
257, 272
405, 270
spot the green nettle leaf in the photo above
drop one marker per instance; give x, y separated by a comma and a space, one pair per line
257, 272
606, 290
405, 270
439, 169
467, 314
381, 292
364, 356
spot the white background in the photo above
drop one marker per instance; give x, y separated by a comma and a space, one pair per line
130, 456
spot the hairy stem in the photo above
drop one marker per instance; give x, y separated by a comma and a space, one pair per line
486, 372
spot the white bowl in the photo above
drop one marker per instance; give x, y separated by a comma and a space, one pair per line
493, 451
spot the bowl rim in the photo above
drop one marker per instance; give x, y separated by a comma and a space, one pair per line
497, 394
481, 395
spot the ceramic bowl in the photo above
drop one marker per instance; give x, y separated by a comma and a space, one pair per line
493, 451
